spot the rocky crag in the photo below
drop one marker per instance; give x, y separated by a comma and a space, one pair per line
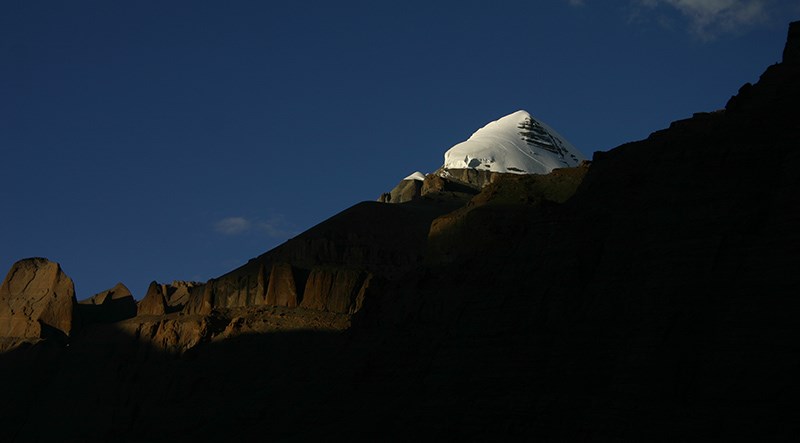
649, 296
37, 301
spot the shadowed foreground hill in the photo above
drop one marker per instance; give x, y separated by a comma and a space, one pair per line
658, 303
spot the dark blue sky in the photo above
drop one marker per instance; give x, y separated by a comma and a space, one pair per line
175, 140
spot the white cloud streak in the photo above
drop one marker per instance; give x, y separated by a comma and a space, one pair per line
275, 227
710, 18
232, 225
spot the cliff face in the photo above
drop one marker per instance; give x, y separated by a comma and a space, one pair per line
36, 300
648, 297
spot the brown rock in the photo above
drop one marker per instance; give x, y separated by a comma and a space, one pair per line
433, 183
206, 304
112, 305
36, 297
282, 288
178, 293
118, 292
240, 288
454, 183
261, 282
201, 299
170, 333
449, 183
335, 290
154, 303
405, 191
471, 178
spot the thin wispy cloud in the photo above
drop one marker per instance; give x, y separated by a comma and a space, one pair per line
707, 19
232, 225
276, 226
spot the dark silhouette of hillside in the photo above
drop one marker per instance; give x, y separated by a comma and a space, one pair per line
657, 303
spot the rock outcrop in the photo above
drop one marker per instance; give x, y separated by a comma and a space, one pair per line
36, 299
178, 293
408, 189
109, 306
457, 185
336, 290
282, 288
154, 302
170, 333
201, 300
471, 178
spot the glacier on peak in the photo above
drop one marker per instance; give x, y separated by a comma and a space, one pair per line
517, 143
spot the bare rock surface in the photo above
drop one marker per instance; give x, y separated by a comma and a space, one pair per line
36, 298
406, 190
282, 289
178, 293
111, 305
335, 289
154, 302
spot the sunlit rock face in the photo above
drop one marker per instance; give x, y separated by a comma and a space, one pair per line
36, 297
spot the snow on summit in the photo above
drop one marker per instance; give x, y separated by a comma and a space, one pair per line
516, 143
416, 176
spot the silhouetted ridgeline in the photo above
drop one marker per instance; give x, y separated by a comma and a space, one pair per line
650, 296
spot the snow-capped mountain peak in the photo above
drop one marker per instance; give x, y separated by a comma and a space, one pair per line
517, 143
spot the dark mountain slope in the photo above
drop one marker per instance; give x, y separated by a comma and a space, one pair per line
340, 257
658, 303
